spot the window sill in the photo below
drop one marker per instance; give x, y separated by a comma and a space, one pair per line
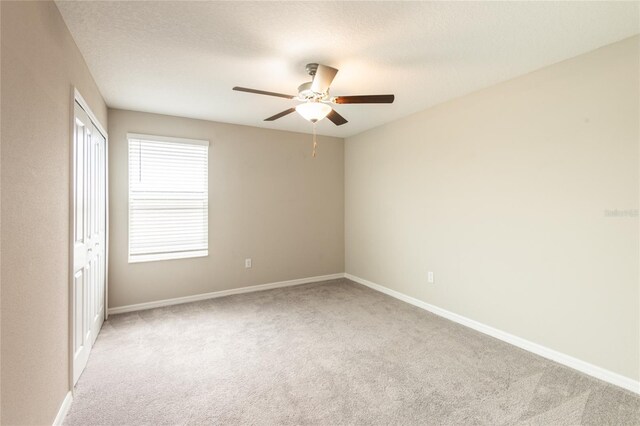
167, 256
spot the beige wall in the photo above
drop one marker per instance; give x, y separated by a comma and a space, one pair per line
502, 194
40, 63
268, 200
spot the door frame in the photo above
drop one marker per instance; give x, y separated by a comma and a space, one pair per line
76, 97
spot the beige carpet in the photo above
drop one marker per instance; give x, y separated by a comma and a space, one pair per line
330, 353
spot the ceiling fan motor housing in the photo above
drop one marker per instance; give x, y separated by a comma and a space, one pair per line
304, 90
306, 94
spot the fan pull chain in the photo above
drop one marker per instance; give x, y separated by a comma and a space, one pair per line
315, 143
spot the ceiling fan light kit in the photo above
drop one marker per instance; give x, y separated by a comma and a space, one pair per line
313, 111
315, 97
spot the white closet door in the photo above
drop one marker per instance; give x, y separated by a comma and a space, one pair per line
89, 236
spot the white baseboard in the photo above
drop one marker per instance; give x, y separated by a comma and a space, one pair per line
559, 357
64, 409
222, 293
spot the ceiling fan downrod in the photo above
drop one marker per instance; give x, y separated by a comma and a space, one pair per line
311, 68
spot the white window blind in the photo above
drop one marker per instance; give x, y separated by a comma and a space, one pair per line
168, 198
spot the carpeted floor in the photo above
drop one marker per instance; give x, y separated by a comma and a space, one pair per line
330, 353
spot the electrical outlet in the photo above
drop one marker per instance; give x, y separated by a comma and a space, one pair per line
430, 277
247, 263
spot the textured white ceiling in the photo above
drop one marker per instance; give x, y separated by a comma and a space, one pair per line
183, 58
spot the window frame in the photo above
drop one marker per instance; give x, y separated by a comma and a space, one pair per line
151, 257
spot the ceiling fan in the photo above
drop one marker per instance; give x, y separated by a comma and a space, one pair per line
316, 98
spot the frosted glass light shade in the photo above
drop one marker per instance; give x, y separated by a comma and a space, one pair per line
313, 111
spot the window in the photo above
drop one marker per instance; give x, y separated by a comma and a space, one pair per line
168, 198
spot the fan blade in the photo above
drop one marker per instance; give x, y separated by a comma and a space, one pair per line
323, 78
336, 118
262, 92
364, 99
280, 114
